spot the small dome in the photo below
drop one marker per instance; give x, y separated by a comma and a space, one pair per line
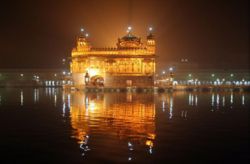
129, 41
130, 37
150, 36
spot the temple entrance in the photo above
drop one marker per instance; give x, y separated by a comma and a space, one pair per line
97, 80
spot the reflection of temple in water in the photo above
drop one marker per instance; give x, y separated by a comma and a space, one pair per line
128, 117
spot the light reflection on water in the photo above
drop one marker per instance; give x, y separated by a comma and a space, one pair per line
121, 116
36, 95
243, 99
131, 117
21, 98
125, 121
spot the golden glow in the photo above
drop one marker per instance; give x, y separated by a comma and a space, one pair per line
149, 143
93, 71
131, 57
92, 106
117, 117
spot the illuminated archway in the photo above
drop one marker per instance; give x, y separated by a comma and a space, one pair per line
97, 80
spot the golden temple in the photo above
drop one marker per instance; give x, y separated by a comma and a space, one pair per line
130, 63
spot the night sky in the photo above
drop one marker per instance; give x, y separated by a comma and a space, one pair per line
38, 34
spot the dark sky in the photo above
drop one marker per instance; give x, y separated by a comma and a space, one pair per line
38, 34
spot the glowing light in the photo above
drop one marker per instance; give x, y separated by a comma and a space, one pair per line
196, 100
150, 29
129, 29
92, 106
93, 71
171, 107
21, 75
21, 98
171, 69
55, 100
82, 30
223, 101
150, 150
87, 35
163, 72
231, 98
149, 143
130, 146
163, 106
69, 97
36, 95
217, 100
63, 109
151, 136
212, 102
243, 99
84, 144
190, 99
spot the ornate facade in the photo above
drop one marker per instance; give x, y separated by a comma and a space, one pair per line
130, 63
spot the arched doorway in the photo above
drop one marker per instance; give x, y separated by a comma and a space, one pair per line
97, 80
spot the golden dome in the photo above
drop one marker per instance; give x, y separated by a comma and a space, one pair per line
129, 41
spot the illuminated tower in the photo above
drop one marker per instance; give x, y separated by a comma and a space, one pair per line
151, 41
82, 43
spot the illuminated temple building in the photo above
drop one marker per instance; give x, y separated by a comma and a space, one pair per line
130, 63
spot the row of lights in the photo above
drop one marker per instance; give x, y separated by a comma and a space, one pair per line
129, 29
86, 34
213, 75
170, 69
37, 77
231, 75
190, 75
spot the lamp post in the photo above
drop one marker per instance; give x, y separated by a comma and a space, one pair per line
171, 75
232, 79
189, 82
213, 81
86, 78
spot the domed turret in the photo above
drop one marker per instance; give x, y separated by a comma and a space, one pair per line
82, 43
151, 41
129, 40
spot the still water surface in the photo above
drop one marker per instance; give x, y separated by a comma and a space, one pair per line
50, 125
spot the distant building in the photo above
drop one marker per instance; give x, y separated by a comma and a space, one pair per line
206, 77
34, 77
130, 63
